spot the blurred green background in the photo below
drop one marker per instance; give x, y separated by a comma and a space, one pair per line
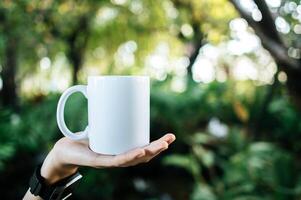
226, 79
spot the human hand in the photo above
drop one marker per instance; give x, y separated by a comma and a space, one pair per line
67, 155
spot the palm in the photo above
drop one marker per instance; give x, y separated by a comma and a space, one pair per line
78, 153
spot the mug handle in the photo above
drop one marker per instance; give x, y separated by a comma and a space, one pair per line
60, 113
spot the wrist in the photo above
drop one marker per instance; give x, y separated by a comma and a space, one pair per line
51, 182
52, 170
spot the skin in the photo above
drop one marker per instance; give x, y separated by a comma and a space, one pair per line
68, 155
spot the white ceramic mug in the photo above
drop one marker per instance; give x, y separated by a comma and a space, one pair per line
118, 113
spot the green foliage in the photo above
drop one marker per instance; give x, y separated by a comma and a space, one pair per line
251, 152
22, 132
234, 166
186, 162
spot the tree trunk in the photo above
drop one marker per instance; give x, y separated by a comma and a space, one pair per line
77, 42
197, 44
76, 60
8, 75
192, 58
294, 87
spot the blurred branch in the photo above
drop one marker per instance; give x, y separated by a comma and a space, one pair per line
53, 29
193, 55
76, 39
197, 40
267, 22
266, 31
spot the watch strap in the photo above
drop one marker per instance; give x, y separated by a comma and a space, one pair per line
38, 186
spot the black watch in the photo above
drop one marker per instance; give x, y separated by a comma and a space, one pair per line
57, 191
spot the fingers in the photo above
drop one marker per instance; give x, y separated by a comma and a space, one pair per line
136, 156
156, 146
169, 138
101, 161
160, 144
153, 149
123, 159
